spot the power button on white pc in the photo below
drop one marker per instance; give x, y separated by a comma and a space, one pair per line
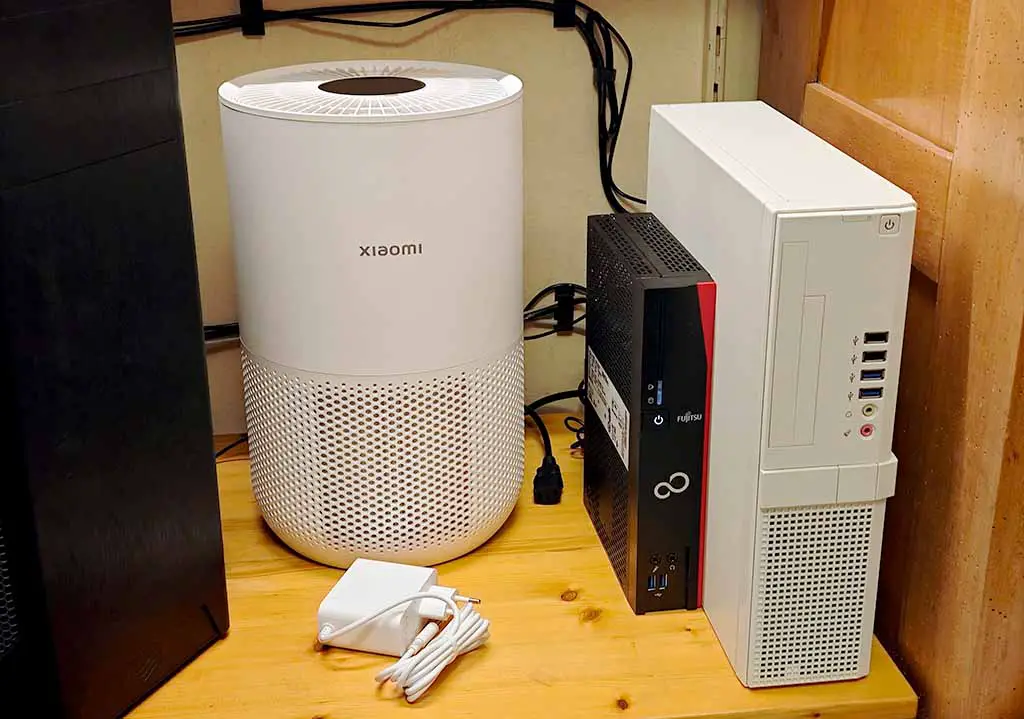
889, 225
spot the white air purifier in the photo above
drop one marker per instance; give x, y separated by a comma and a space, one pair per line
378, 232
811, 254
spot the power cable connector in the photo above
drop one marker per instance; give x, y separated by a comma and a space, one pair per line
547, 483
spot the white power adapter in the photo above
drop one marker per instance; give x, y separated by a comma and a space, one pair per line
397, 609
367, 587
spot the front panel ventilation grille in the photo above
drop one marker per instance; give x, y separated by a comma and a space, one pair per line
417, 471
664, 244
8, 619
812, 612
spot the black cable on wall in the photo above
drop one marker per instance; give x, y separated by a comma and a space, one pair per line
598, 34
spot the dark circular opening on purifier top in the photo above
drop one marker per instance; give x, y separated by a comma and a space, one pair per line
384, 85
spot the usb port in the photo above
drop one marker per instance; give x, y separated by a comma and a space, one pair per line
872, 375
659, 397
875, 356
876, 338
870, 392
662, 582
652, 582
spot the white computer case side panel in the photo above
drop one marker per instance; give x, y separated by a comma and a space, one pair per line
707, 209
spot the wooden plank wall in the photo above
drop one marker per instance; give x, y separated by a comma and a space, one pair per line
790, 41
930, 93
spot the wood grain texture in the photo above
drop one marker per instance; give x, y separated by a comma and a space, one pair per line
790, 44
909, 438
959, 627
903, 59
917, 165
997, 683
564, 643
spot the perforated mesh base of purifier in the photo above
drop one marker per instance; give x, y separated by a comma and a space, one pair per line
417, 471
812, 612
8, 620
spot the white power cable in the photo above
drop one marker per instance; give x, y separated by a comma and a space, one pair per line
431, 651
417, 670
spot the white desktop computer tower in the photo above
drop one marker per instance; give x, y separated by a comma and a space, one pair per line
811, 253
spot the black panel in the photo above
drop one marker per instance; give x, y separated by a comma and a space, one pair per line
44, 53
111, 574
100, 275
86, 125
645, 327
673, 452
28, 663
14, 8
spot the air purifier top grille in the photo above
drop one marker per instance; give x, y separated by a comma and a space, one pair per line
8, 621
370, 91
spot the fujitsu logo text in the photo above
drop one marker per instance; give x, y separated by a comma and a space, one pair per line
689, 417
390, 250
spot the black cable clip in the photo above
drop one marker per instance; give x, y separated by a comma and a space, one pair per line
565, 308
604, 76
253, 23
565, 13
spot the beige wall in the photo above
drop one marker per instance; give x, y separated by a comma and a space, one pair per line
562, 187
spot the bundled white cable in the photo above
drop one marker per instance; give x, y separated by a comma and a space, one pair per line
420, 665
365, 603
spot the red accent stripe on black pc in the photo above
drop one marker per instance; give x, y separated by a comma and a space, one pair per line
707, 294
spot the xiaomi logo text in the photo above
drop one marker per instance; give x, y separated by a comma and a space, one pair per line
389, 250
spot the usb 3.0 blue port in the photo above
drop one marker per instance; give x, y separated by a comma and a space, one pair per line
652, 583
658, 398
870, 392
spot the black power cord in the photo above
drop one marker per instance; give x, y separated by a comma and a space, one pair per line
227, 331
598, 34
575, 425
547, 482
230, 446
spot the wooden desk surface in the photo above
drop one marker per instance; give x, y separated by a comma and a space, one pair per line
564, 642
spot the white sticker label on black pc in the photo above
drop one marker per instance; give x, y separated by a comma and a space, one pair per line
608, 406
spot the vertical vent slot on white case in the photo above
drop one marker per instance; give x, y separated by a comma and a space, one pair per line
8, 619
796, 356
812, 603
